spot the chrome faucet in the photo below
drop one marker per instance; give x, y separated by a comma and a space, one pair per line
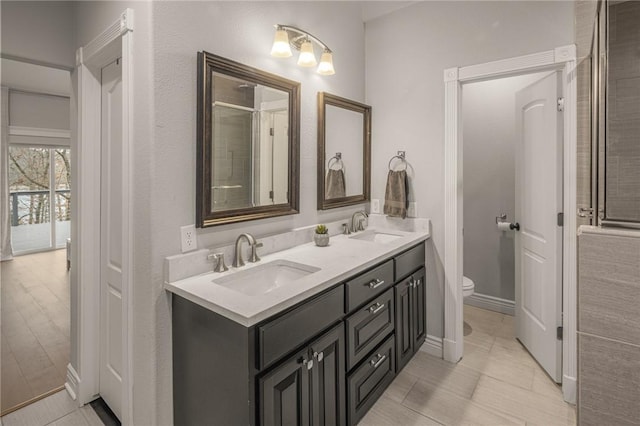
359, 225
238, 261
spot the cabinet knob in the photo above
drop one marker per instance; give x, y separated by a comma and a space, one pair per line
319, 356
307, 362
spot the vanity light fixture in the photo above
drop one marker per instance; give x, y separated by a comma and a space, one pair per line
288, 36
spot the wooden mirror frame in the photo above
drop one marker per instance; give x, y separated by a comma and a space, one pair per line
325, 99
205, 217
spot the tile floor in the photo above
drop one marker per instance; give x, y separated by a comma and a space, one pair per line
496, 383
35, 326
56, 410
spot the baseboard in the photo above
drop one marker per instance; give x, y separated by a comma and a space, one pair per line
73, 382
432, 345
449, 351
569, 389
491, 303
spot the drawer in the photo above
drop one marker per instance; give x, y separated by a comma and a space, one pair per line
276, 338
368, 284
409, 261
368, 382
369, 326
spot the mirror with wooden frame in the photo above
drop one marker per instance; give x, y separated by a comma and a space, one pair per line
248, 143
344, 152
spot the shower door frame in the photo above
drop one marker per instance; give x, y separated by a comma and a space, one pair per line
561, 58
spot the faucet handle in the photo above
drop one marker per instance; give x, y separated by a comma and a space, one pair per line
345, 229
361, 224
254, 252
219, 259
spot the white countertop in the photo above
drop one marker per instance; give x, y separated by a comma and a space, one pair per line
343, 258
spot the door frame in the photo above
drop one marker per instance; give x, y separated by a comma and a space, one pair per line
83, 381
561, 58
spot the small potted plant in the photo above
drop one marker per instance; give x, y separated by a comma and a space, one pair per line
321, 237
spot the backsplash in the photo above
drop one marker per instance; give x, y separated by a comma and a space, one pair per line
181, 266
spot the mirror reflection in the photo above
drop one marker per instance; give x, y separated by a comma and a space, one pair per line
344, 152
344, 144
248, 143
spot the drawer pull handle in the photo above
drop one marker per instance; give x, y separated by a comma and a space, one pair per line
319, 356
374, 309
375, 283
376, 363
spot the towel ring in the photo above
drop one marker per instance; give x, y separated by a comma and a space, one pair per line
401, 156
337, 159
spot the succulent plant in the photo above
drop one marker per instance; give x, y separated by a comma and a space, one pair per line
321, 229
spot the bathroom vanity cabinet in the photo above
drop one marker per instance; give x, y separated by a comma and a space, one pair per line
325, 360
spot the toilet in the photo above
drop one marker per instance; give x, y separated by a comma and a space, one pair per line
467, 287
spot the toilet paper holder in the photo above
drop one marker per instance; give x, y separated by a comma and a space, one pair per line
503, 219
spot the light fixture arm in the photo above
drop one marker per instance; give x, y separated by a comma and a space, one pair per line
298, 36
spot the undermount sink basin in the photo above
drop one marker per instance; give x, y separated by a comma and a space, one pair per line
376, 236
264, 278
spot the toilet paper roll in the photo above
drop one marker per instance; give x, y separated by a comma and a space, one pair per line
504, 226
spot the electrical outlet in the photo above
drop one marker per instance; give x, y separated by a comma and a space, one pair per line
375, 205
412, 211
188, 238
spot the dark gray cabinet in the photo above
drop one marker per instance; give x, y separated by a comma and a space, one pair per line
307, 388
284, 393
411, 332
324, 361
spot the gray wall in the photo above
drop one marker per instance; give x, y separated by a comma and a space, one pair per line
39, 31
407, 52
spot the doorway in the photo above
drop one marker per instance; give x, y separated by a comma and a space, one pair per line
512, 169
36, 226
560, 59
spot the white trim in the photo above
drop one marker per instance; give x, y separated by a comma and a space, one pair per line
114, 42
39, 132
569, 388
492, 303
73, 382
564, 58
432, 345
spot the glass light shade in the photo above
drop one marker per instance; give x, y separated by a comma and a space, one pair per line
307, 57
326, 64
281, 48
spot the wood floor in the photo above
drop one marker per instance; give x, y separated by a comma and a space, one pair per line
35, 326
496, 383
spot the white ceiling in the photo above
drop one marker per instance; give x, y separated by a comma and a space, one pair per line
375, 9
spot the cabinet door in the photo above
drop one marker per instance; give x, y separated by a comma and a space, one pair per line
284, 393
328, 392
404, 322
419, 304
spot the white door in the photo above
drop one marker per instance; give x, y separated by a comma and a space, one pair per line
539, 241
111, 207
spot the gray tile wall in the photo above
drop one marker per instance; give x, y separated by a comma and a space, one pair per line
608, 330
623, 113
